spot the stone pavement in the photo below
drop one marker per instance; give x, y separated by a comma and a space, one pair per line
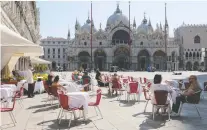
117, 115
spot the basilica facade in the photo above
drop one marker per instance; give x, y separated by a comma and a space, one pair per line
122, 44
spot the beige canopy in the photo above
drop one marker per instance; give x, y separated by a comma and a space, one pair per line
36, 60
13, 46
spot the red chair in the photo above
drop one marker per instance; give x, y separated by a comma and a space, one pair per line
161, 102
96, 104
117, 87
147, 97
133, 89
49, 93
125, 80
143, 82
54, 91
19, 95
64, 99
73, 78
130, 78
10, 109
86, 81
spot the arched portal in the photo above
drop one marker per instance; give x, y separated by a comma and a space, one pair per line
100, 59
143, 60
195, 66
173, 56
120, 36
159, 60
84, 59
121, 57
188, 66
53, 65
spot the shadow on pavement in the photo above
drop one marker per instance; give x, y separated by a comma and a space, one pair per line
53, 124
47, 109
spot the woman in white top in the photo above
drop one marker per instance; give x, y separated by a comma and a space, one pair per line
158, 86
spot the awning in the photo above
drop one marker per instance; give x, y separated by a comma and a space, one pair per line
10, 37
14, 44
36, 60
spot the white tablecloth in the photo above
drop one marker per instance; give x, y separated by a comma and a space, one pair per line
12, 86
39, 87
72, 86
78, 99
19, 84
6, 93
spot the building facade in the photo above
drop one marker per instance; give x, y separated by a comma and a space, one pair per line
21, 17
192, 41
55, 51
128, 47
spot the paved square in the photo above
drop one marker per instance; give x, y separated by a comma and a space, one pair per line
117, 115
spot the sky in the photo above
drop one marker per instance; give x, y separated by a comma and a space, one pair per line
56, 17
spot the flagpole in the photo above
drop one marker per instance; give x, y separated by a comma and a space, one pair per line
91, 39
165, 37
129, 40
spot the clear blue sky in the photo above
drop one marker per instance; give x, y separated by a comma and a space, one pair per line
57, 17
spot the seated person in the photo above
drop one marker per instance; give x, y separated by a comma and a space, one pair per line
56, 83
85, 76
76, 74
158, 86
194, 87
14, 75
49, 82
100, 80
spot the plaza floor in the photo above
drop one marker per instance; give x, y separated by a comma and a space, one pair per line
117, 115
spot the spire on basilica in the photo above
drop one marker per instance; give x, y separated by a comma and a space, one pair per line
144, 20
68, 37
117, 9
100, 27
157, 27
149, 24
166, 23
77, 25
134, 23
160, 26
88, 20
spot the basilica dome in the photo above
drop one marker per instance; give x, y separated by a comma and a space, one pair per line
145, 27
117, 17
87, 26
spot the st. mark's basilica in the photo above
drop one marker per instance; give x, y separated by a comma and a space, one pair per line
136, 48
